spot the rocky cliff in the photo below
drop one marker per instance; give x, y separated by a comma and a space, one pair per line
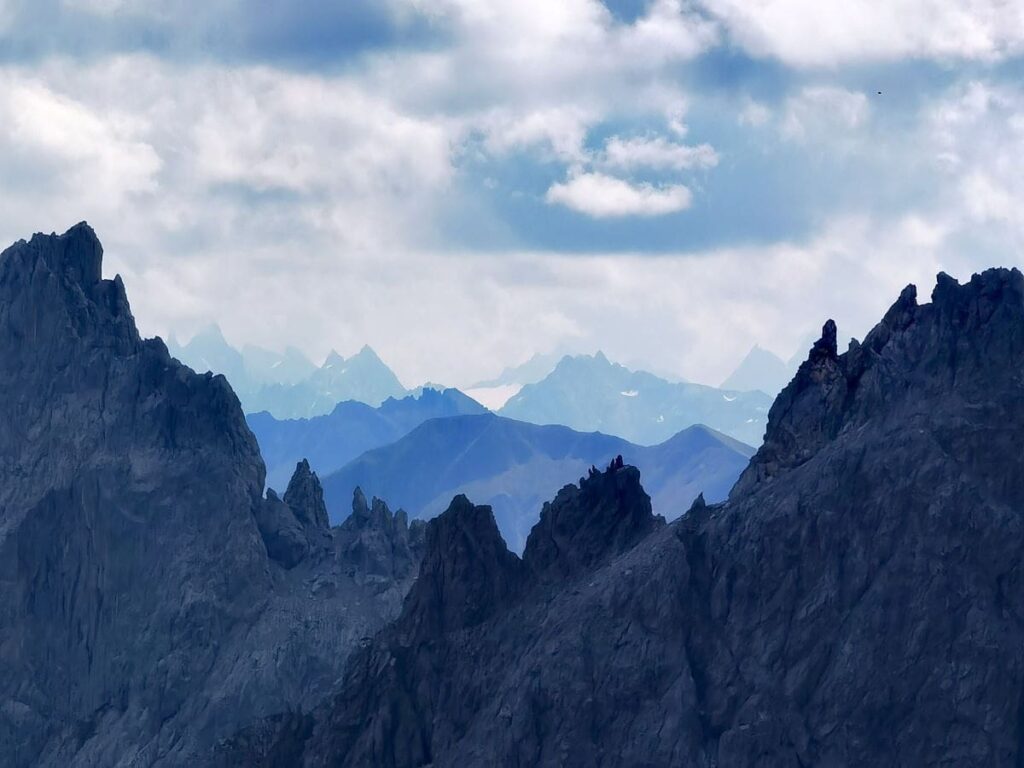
152, 601
857, 601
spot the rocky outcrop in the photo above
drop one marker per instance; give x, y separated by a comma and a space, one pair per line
857, 601
605, 515
377, 543
408, 695
306, 498
153, 600
466, 576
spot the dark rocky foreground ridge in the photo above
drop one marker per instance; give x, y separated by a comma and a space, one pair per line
857, 601
152, 600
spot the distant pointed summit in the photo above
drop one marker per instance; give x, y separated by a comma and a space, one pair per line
760, 370
592, 393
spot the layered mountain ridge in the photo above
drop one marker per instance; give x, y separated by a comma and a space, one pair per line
287, 384
590, 393
856, 601
330, 441
514, 467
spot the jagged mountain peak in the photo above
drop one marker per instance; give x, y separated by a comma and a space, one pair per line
77, 253
466, 575
333, 358
964, 333
306, 497
606, 514
366, 352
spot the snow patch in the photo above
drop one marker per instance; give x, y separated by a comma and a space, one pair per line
728, 399
629, 393
494, 398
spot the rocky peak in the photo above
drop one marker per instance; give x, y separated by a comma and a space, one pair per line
606, 514
961, 336
333, 358
306, 497
467, 573
376, 541
373, 515
53, 285
77, 254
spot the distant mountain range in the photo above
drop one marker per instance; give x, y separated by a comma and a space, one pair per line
494, 393
515, 467
590, 393
331, 441
287, 385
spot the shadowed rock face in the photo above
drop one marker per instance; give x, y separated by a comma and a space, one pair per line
152, 600
857, 601
607, 513
377, 543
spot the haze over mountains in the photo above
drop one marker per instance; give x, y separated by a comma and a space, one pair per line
331, 441
515, 467
591, 393
855, 600
287, 384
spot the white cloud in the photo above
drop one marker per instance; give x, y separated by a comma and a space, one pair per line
301, 208
602, 196
754, 114
561, 131
99, 152
657, 153
814, 33
976, 135
824, 110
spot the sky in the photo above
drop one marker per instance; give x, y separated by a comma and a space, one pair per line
463, 183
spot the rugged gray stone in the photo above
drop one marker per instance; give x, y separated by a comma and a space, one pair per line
857, 601
606, 514
152, 601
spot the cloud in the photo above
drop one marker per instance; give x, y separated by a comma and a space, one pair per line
975, 135
601, 196
754, 114
295, 176
560, 130
823, 109
101, 153
657, 153
817, 33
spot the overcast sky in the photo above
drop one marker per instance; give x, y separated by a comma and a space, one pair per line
461, 183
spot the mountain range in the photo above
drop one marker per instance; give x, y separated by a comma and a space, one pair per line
590, 393
287, 384
329, 442
855, 600
515, 467
494, 393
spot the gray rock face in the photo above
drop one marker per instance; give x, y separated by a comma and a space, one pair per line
857, 601
305, 496
376, 542
152, 601
606, 514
